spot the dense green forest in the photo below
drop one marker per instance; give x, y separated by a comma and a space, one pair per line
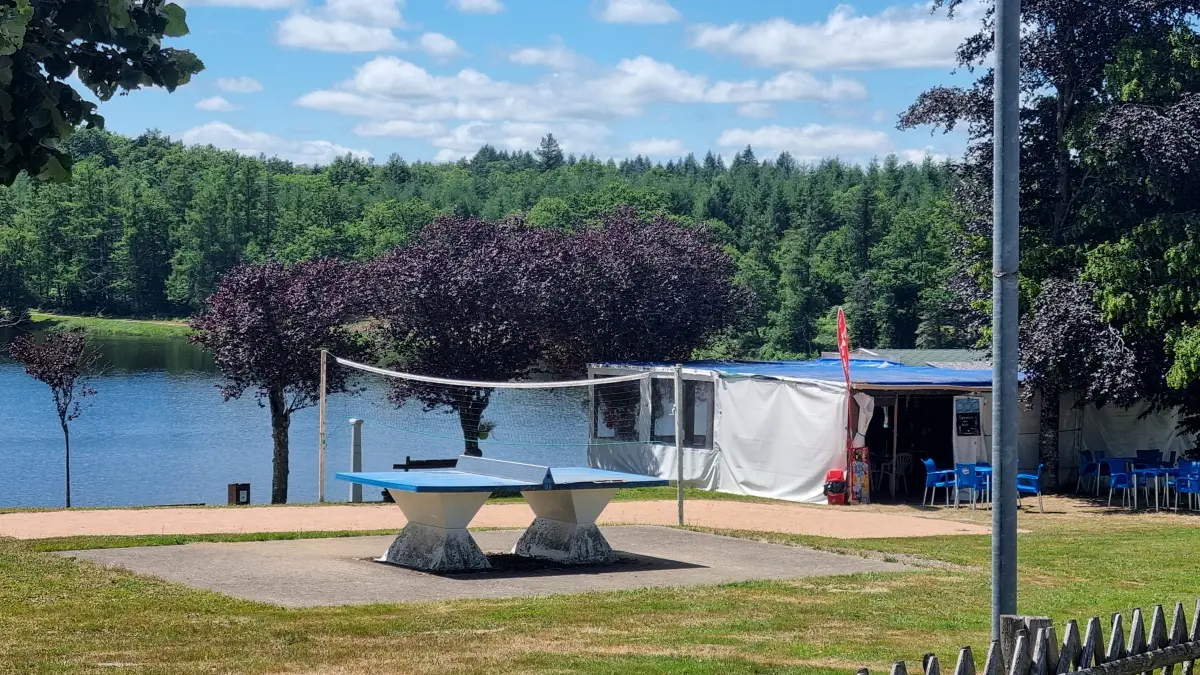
147, 226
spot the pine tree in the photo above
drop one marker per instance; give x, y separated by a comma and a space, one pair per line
549, 154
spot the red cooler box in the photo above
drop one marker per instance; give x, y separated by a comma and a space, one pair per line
835, 486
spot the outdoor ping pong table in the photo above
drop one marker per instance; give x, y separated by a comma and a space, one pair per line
439, 505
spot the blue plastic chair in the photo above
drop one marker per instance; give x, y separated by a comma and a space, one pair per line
936, 478
966, 478
1120, 478
1185, 471
1149, 459
1189, 485
1088, 468
1031, 483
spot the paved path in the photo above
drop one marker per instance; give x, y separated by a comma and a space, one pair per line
844, 523
311, 572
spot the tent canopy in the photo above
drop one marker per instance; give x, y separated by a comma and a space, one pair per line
864, 373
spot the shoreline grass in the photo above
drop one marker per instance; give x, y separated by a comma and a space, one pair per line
106, 327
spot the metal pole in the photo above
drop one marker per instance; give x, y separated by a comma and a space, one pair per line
1005, 259
679, 436
321, 433
896, 446
355, 457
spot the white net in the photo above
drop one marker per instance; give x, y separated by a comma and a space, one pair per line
548, 423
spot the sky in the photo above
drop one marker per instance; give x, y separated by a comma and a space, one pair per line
433, 80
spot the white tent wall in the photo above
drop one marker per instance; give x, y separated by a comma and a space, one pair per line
778, 438
1117, 431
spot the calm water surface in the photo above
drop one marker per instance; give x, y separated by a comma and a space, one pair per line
158, 432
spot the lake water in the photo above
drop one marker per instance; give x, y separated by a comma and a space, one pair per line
158, 432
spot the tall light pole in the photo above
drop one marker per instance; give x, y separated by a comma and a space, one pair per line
1005, 258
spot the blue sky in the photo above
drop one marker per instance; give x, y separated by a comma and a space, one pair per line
435, 79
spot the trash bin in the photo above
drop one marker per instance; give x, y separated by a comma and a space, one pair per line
835, 486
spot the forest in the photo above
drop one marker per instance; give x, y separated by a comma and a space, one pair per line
147, 227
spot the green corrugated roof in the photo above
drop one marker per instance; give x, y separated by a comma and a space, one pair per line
924, 357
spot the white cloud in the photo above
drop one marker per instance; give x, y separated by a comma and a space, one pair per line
899, 37
254, 143
465, 139
918, 155
216, 104
879, 116
388, 87
810, 142
403, 128
239, 85
756, 110
638, 11
556, 56
344, 26
307, 32
440, 46
477, 6
658, 147
248, 4
366, 12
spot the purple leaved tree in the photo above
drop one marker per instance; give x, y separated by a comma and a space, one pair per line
635, 290
265, 326
64, 362
490, 301
468, 299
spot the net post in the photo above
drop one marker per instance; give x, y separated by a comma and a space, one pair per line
679, 436
321, 431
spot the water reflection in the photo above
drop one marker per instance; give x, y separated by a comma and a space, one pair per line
158, 432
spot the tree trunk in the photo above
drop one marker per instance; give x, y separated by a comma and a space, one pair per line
1048, 440
469, 417
281, 419
470, 414
67, 456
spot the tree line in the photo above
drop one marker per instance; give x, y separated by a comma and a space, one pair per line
147, 227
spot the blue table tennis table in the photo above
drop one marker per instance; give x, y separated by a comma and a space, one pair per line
439, 504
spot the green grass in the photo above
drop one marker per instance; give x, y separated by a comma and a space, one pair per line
111, 327
60, 615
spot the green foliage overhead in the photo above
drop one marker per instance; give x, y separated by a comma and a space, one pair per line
147, 227
110, 45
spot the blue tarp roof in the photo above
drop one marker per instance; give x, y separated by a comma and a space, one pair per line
863, 372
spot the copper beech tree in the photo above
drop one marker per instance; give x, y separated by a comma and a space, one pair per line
492, 301
62, 361
265, 326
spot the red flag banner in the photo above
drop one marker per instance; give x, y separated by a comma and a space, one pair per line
843, 337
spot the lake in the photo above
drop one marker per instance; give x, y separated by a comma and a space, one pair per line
157, 432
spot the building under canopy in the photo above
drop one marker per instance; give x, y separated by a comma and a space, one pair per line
774, 428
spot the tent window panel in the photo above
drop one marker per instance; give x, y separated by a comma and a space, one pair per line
697, 412
616, 408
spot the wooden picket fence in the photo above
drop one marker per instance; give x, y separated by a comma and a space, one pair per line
1029, 646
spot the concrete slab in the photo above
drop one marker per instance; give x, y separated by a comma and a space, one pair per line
341, 571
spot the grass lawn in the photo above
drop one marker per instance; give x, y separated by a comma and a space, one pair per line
111, 327
58, 615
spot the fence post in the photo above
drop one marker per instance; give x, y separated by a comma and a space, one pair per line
929, 664
355, 457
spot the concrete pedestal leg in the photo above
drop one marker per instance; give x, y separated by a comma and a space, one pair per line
565, 528
436, 537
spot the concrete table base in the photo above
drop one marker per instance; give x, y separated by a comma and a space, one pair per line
565, 528
436, 537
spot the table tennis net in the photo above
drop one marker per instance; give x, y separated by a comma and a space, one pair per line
541, 422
